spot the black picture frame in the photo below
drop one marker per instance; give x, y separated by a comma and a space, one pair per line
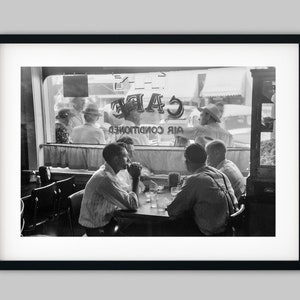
152, 264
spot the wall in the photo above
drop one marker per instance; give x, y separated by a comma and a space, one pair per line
28, 155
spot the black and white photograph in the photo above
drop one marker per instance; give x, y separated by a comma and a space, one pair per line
143, 151
158, 146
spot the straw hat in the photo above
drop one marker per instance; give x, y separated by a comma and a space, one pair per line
213, 111
92, 109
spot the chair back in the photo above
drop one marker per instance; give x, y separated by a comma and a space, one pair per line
45, 174
75, 200
45, 198
65, 188
27, 211
237, 219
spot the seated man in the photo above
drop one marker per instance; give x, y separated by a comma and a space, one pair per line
206, 195
216, 157
123, 175
103, 193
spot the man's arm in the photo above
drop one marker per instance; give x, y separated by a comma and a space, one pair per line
192, 132
184, 200
101, 138
135, 172
115, 194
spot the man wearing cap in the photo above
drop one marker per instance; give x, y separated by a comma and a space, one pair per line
88, 133
206, 196
77, 118
62, 128
209, 128
132, 121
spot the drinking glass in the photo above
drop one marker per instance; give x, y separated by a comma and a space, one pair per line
174, 191
153, 200
161, 203
147, 194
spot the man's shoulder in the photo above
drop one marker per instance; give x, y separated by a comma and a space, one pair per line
228, 164
78, 128
100, 177
204, 174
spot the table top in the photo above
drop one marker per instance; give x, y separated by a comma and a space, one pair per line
145, 211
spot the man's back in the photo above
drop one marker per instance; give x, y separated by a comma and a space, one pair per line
235, 176
203, 194
87, 134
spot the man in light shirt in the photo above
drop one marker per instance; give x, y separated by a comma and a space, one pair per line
104, 194
88, 133
124, 176
208, 129
216, 157
206, 197
78, 105
132, 120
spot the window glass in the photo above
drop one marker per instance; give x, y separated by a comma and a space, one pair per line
155, 109
268, 125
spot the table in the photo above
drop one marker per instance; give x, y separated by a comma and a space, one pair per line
145, 213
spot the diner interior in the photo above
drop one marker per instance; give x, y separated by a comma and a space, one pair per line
54, 173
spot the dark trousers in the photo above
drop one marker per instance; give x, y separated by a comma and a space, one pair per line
110, 229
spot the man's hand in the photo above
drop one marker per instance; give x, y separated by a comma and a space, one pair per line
134, 169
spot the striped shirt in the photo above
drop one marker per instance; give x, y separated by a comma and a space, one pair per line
102, 196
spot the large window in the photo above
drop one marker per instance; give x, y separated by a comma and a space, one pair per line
166, 104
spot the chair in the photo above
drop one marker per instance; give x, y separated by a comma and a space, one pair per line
65, 188
39, 208
78, 230
45, 175
75, 203
22, 215
237, 221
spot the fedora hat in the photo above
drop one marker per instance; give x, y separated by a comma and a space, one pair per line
212, 110
92, 109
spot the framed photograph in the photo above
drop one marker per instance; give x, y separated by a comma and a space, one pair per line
179, 108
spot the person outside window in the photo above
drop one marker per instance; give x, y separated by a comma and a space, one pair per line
132, 119
88, 133
78, 105
209, 128
62, 128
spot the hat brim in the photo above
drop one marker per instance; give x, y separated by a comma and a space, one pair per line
92, 113
210, 113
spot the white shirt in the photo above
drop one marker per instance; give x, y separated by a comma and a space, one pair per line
87, 134
103, 194
205, 133
235, 176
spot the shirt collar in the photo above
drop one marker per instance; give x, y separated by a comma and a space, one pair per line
201, 169
221, 164
109, 169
